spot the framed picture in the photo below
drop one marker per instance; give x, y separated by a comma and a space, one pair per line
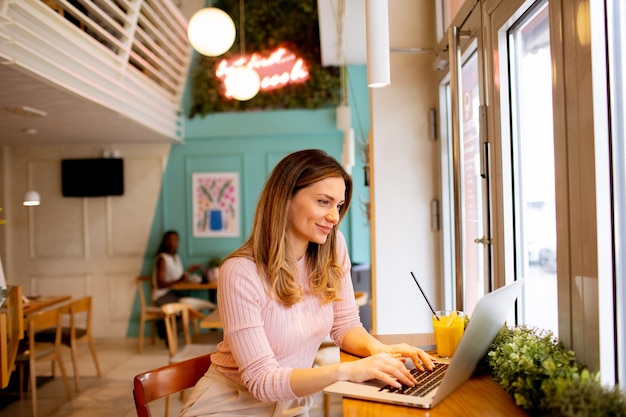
215, 202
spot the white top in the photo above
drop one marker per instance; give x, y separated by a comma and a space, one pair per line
173, 272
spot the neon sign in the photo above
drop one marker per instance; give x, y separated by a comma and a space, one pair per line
276, 70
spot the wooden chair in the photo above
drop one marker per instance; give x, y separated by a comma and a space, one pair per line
162, 382
79, 311
148, 312
32, 351
187, 349
154, 313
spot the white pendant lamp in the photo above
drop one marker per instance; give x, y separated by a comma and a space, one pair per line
377, 36
211, 31
32, 198
243, 83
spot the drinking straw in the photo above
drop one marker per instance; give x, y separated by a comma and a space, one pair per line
425, 298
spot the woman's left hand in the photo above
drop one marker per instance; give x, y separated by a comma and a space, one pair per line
420, 358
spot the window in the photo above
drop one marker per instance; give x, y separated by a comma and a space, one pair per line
532, 145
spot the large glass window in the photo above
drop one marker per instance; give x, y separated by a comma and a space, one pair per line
471, 186
617, 79
466, 235
533, 166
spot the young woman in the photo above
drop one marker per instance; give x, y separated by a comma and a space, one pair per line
285, 289
168, 270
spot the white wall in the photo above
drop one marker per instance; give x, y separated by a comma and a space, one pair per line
405, 176
80, 246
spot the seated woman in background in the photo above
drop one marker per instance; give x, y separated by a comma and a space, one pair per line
168, 270
282, 292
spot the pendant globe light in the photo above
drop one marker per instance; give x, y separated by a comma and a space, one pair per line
211, 31
242, 82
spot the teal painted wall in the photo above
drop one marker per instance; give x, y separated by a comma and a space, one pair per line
251, 143
359, 243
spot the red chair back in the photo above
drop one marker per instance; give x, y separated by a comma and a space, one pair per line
166, 380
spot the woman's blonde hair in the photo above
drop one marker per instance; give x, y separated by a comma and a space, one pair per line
267, 244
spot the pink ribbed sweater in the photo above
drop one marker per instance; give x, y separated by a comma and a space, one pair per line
264, 340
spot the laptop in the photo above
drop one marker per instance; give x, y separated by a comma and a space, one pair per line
488, 318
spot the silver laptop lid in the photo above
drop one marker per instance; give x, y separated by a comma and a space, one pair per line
485, 322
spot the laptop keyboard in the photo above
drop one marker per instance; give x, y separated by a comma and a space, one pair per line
426, 381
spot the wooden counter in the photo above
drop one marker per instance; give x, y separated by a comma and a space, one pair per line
481, 396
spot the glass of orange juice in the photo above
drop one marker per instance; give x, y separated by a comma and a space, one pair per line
448, 331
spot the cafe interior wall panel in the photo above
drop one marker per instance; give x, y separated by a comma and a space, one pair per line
130, 217
116, 306
76, 285
81, 246
95, 227
57, 220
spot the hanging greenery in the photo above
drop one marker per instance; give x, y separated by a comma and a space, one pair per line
269, 24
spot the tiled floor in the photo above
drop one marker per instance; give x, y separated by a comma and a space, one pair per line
111, 395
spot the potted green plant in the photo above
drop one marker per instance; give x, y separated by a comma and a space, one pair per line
545, 378
214, 269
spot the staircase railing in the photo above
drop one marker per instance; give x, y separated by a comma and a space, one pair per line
131, 56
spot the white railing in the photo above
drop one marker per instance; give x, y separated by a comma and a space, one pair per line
131, 56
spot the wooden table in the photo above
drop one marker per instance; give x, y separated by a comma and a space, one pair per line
481, 396
212, 321
188, 285
38, 304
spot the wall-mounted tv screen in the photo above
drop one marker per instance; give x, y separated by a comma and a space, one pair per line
95, 177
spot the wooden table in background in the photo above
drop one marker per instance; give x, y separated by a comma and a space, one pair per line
195, 286
480, 396
38, 304
188, 285
212, 321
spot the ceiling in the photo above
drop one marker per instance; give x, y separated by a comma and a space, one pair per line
70, 119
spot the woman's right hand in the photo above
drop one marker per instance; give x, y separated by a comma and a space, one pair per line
385, 367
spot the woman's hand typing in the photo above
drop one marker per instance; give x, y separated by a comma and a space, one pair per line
421, 359
385, 367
